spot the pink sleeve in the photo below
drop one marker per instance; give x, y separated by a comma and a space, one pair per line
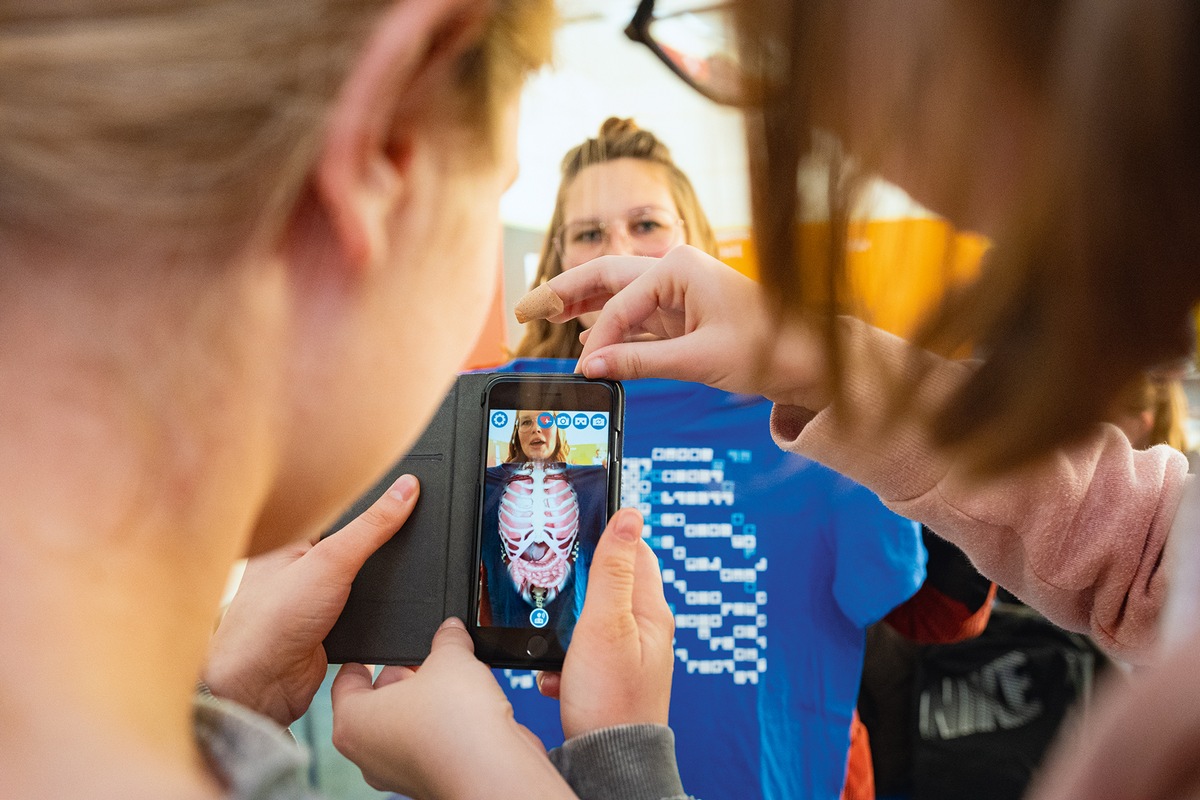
1080, 535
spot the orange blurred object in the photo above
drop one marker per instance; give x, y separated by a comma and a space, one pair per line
491, 349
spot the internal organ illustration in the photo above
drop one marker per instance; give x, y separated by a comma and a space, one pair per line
539, 523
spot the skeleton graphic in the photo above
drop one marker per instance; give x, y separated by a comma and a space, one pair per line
539, 526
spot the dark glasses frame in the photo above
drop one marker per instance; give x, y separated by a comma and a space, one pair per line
638, 30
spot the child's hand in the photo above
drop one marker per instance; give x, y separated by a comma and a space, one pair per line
618, 667
442, 730
267, 653
685, 316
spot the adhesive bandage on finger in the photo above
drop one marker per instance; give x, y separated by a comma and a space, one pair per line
541, 303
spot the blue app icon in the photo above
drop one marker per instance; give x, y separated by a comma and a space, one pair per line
545, 419
539, 617
599, 421
563, 420
499, 419
581, 421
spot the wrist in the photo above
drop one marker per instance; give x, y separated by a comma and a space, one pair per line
510, 766
236, 688
581, 722
795, 368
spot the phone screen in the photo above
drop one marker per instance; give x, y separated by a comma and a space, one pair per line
549, 486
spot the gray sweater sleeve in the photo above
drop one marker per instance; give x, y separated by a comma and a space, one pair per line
630, 762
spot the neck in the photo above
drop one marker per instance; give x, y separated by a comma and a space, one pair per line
104, 650
131, 480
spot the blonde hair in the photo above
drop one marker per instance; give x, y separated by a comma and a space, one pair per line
1170, 414
1165, 400
199, 121
618, 138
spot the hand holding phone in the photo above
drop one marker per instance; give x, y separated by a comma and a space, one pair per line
618, 670
505, 529
445, 730
266, 654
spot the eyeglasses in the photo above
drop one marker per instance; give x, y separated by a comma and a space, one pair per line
649, 231
695, 40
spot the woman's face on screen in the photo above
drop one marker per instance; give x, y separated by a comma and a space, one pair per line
537, 434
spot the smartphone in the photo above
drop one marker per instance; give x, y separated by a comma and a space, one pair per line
550, 480
449, 560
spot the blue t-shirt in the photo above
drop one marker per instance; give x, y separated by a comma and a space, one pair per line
774, 566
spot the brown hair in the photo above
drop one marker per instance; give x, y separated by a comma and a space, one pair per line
199, 121
1093, 274
618, 138
517, 454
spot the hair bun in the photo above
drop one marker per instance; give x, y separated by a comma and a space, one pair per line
614, 127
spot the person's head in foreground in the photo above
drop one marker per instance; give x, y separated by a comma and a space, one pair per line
227, 229
1063, 130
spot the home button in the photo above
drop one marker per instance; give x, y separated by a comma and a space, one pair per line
536, 646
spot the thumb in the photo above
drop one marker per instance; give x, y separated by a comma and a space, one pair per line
655, 358
451, 638
612, 576
349, 548
649, 601
351, 679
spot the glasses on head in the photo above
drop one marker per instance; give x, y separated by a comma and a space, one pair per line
695, 39
647, 231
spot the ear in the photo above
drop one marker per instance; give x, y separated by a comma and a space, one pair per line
405, 67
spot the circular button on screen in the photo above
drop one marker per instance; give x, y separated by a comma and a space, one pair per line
537, 646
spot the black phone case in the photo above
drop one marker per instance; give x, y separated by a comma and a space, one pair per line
424, 574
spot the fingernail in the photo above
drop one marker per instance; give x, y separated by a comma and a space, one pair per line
595, 368
404, 488
628, 527
541, 303
452, 622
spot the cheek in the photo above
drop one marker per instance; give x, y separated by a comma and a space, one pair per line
471, 271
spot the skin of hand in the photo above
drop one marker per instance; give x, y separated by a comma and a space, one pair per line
1141, 741
267, 654
443, 730
685, 316
618, 667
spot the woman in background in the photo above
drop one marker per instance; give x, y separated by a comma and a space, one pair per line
621, 193
1152, 410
